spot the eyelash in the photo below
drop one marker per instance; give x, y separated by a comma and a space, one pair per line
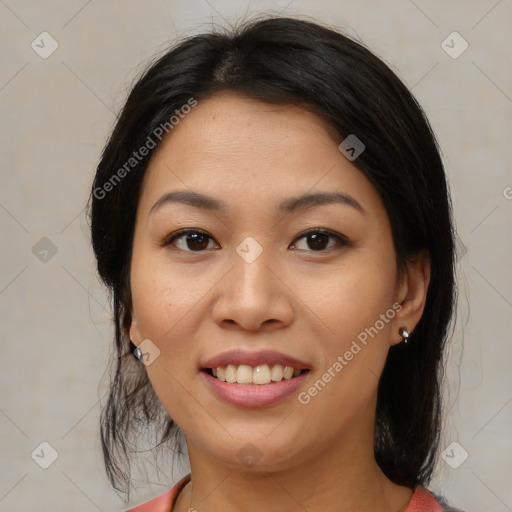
340, 239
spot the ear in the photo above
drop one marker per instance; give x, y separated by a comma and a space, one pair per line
134, 333
411, 294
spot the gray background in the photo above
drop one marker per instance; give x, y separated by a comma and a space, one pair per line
55, 114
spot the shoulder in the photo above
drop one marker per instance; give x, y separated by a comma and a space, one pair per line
165, 501
424, 500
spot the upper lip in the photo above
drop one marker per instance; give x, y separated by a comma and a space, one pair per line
238, 357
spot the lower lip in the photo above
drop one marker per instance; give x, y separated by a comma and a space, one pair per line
255, 395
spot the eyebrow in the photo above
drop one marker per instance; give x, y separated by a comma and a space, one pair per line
299, 203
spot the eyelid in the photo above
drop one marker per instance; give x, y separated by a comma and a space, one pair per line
184, 231
341, 239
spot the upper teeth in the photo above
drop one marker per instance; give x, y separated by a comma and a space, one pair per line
262, 374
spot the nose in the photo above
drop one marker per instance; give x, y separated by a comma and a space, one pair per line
253, 296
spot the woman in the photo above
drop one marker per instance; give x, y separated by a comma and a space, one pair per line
272, 217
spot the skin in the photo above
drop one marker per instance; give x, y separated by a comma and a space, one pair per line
307, 303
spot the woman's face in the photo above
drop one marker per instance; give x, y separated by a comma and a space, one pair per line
259, 286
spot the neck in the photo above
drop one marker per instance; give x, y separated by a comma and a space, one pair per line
341, 478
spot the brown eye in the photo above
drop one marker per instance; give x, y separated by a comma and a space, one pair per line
196, 241
317, 240
189, 240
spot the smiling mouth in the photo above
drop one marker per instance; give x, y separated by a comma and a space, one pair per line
260, 375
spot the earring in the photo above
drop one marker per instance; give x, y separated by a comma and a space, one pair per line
137, 352
404, 333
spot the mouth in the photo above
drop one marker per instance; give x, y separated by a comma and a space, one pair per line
254, 379
260, 375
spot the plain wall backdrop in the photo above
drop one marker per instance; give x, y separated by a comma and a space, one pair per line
57, 107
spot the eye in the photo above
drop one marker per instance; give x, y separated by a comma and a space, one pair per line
189, 240
317, 239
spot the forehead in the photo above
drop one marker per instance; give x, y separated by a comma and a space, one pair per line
235, 125
235, 147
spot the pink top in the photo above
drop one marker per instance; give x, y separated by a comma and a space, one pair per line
421, 501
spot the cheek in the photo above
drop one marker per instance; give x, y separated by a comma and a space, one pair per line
162, 301
357, 309
168, 306
164, 295
353, 298
357, 312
